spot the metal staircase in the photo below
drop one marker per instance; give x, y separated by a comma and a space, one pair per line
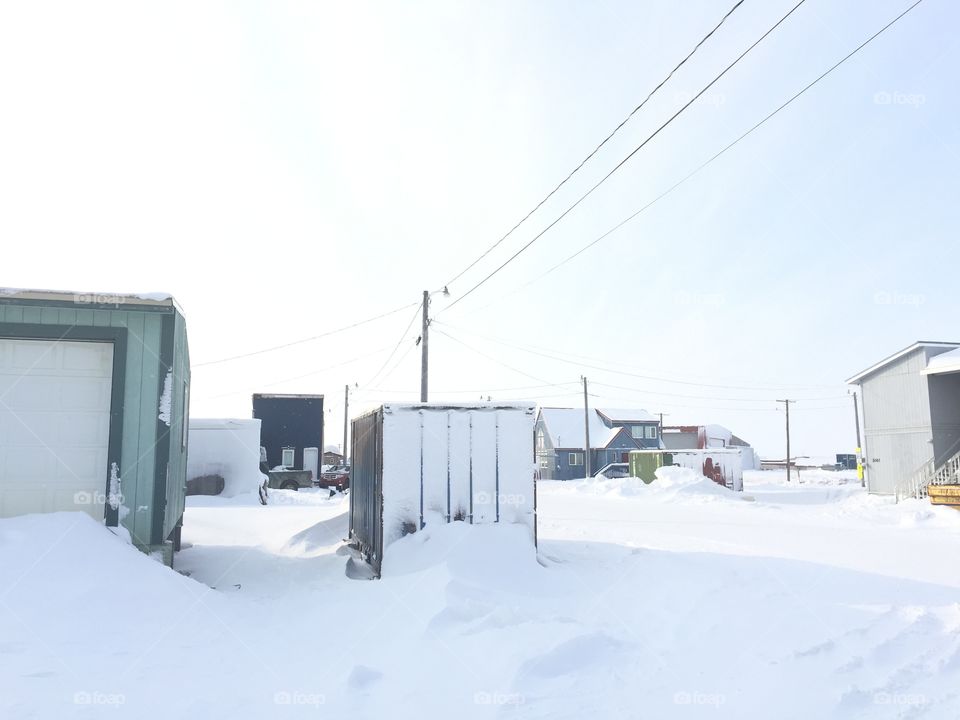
915, 486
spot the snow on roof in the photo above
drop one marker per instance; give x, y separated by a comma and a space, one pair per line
896, 356
566, 427
626, 416
91, 298
948, 362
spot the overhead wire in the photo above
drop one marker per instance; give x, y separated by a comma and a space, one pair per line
303, 340
601, 145
625, 160
703, 165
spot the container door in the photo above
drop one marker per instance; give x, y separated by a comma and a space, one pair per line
311, 461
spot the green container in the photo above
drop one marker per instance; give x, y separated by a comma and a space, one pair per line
644, 463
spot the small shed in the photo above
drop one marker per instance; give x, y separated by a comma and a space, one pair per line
94, 391
415, 464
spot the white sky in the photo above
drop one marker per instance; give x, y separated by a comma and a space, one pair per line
285, 169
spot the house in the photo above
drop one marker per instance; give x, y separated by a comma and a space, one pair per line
291, 430
910, 406
700, 437
332, 455
560, 439
94, 391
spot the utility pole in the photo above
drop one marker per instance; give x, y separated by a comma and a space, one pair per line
586, 428
346, 415
856, 419
787, 405
423, 346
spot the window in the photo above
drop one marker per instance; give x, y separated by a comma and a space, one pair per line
544, 463
651, 432
541, 444
636, 431
288, 456
574, 458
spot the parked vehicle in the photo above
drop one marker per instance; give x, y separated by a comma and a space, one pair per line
335, 476
613, 471
290, 479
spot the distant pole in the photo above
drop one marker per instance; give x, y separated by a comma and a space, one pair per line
586, 428
856, 419
787, 405
346, 415
423, 346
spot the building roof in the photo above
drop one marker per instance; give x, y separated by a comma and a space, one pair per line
948, 362
89, 298
565, 426
626, 416
896, 356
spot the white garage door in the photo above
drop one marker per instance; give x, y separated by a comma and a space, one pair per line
54, 425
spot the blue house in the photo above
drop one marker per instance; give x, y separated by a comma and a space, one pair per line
561, 440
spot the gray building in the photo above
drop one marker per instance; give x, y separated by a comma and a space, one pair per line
911, 417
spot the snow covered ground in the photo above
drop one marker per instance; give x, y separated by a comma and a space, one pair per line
674, 600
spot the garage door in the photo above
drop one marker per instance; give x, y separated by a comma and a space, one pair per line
54, 425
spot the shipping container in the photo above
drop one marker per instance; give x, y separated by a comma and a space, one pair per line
722, 465
416, 464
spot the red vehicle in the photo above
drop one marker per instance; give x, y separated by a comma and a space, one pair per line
335, 476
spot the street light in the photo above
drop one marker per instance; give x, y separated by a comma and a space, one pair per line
423, 339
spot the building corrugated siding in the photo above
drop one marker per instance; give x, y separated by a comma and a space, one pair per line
143, 383
897, 426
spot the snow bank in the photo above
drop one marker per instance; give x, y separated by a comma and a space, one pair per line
673, 484
229, 448
495, 555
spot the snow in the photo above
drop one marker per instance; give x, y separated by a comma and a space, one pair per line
434, 457
948, 362
566, 428
166, 398
229, 448
671, 600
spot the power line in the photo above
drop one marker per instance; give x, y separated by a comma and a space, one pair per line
627, 158
397, 347
572, 360
304, 340
498, 362
300, 377
397, 364
598, 147
707, 162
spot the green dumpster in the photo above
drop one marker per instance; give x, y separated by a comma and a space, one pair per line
644, 463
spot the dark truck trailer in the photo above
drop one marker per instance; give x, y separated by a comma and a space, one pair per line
416, 464
292, 423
